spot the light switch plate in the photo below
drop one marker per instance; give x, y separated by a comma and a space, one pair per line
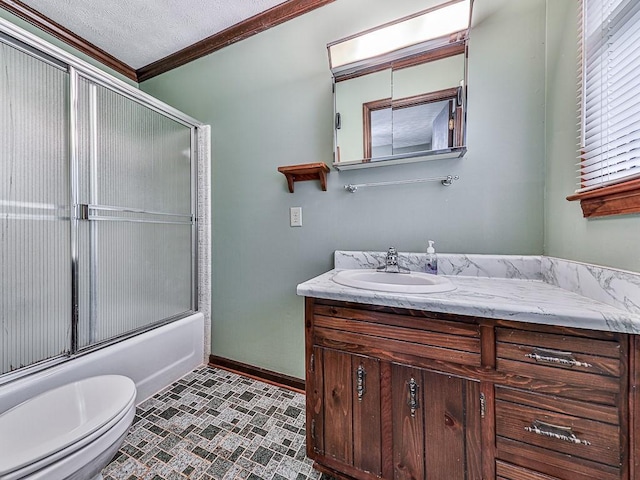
295, 216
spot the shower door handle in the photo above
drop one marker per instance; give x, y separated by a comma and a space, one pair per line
82, 211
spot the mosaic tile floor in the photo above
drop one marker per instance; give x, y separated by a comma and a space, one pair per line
216, 425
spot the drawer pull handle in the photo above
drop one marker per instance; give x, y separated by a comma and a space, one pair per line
553, 356
555, 431
413, 396
361, 374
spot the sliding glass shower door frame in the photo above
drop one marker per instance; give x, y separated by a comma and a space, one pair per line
79, 212
90, 212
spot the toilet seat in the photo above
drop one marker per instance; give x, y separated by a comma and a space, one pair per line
59, 422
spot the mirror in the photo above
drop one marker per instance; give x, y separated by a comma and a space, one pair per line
350, 98
404, 105
401, 113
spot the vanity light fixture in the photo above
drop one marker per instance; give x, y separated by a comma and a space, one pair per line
425, 30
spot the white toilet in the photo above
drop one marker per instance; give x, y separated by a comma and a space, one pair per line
68, 433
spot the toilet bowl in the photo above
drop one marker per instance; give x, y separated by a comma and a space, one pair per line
68, 433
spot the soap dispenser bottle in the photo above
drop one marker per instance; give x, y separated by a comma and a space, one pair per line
432, 259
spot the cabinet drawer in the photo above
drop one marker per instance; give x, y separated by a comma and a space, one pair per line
394, 336
560, 466
506, 471
564, 365
558, 430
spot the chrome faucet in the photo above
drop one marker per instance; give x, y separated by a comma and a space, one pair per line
391, 263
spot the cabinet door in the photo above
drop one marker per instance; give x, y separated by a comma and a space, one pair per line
407, 412
366, 414
452, 427
338, 405
436, 425
346, 424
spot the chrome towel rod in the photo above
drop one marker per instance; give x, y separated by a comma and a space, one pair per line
445, 180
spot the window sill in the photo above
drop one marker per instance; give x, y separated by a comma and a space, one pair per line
620, 199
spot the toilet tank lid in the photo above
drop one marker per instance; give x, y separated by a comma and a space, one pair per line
58, 418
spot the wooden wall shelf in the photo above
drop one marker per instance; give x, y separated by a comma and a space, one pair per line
305, 171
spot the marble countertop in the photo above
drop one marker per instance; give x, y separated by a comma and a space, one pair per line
517, 298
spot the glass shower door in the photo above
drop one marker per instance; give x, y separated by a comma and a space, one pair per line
35, 254
97, 210
136, 243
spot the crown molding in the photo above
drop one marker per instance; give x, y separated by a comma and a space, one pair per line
252, 26
44, 23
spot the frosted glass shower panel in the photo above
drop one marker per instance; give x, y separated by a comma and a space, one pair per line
35, 258
135, 169
143, 158
144, 275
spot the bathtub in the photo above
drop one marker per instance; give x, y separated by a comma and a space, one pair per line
153, 360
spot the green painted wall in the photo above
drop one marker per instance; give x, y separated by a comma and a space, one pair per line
611, 241
269, 102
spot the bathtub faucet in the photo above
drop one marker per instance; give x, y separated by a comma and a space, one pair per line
391, 263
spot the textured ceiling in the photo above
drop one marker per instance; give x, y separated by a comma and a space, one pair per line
139, 32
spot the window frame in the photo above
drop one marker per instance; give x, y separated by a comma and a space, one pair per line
616, 199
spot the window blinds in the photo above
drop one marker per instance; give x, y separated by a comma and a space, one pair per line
609, 67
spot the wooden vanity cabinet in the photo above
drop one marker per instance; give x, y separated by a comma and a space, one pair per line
381, 402
401, 394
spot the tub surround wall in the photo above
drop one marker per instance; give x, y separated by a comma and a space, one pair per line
204, 235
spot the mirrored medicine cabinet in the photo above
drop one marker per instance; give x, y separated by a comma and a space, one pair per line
399, 99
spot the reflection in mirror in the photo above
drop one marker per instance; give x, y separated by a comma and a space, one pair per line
392, 114
438, 106
350, 96
403, 105
421, 123
422, 127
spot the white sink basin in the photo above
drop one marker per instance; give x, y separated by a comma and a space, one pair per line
413, 282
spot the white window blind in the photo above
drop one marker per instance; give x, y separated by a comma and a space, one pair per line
609, 63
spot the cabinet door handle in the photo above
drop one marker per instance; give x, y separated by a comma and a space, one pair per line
543, 355
361, 375
413, 396
555, 431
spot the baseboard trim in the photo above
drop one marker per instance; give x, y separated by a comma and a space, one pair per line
268, 376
